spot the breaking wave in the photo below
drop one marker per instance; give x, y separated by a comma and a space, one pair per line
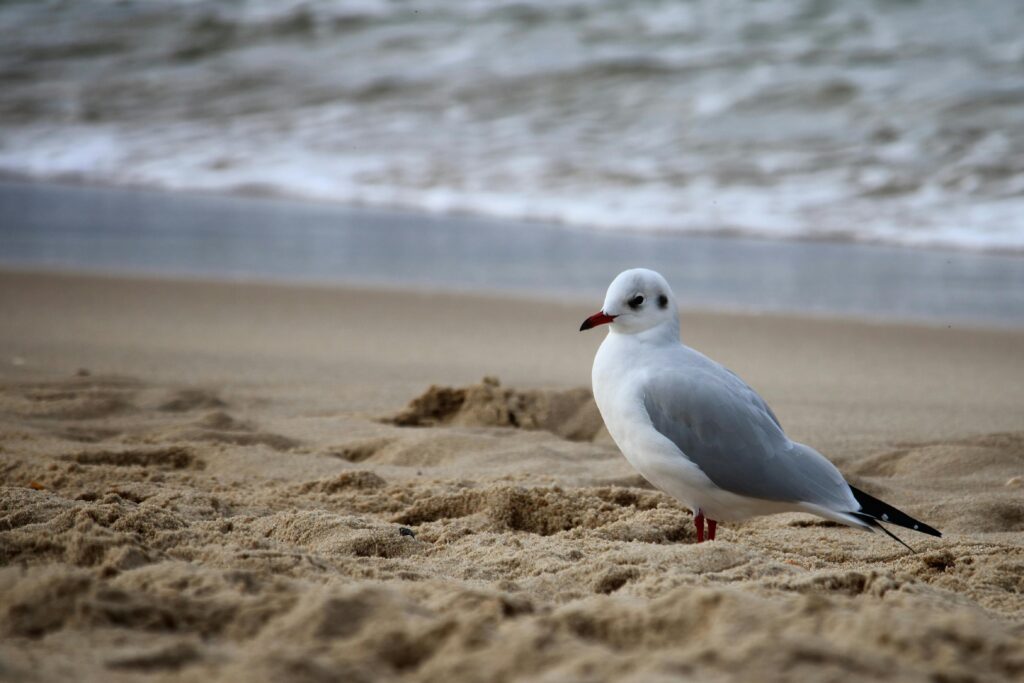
875, 121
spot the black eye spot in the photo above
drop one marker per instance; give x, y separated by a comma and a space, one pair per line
662, 301
636, 301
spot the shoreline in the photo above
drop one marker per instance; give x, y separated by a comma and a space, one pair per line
412, 212
230, 238
576, 299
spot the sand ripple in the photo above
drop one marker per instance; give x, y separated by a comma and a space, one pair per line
497, 541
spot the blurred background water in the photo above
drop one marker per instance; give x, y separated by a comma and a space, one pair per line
889, 121
242, 238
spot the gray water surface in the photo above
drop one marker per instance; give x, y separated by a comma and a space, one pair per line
117, 230
880, 121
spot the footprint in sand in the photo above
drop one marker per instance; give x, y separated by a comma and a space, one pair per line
220, 427
216, 425
184, 400
174, 458
77, 398
996, 456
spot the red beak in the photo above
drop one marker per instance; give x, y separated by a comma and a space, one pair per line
599, 318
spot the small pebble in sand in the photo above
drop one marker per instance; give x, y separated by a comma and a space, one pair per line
83, 372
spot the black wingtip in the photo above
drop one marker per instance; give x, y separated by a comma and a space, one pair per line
874, 524
873, 509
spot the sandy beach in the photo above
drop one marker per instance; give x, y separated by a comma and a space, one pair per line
240, 481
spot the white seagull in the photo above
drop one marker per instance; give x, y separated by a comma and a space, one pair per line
696, 431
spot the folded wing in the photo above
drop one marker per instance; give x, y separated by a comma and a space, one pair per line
727, 430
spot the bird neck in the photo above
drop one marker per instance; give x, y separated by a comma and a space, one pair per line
666, 332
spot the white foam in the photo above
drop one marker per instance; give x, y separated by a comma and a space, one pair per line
690, 121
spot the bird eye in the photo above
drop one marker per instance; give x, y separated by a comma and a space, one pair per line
636, 301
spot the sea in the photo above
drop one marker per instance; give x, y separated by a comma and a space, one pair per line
46, 226
883, 121
851, 158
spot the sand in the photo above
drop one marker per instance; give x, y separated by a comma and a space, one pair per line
260, 482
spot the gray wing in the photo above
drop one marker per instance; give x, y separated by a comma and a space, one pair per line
727, 430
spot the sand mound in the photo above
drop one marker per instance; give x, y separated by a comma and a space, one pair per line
571, 414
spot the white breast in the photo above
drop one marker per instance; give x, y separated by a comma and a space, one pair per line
618, 392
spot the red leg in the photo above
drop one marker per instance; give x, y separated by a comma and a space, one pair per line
698, 521
712, 525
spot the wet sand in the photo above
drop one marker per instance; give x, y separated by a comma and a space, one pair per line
226, 481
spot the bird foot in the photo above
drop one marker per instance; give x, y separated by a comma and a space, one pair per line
698, 521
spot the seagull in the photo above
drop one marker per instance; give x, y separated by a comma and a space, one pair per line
695, 430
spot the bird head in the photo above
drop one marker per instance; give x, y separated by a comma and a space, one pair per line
637, 300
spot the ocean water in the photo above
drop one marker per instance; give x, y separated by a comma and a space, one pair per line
110, 230
882, 121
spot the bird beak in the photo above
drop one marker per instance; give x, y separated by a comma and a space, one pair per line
599, 318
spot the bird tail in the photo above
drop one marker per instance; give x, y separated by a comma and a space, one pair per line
873, 512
